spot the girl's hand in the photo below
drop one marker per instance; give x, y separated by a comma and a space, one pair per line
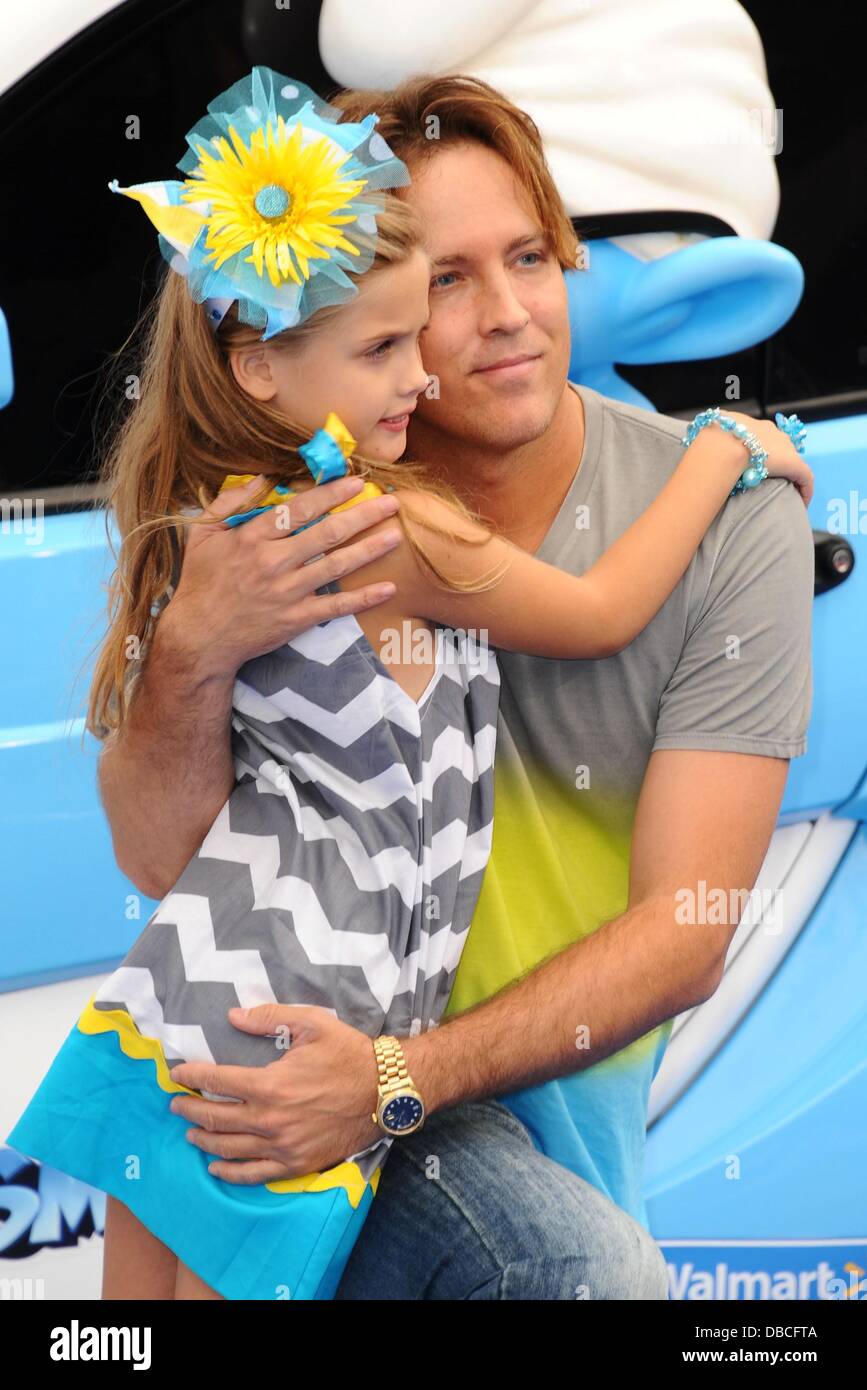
783, 459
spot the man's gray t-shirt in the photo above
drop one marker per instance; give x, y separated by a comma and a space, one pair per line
724, 665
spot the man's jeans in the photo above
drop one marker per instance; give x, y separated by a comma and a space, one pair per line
469, 1208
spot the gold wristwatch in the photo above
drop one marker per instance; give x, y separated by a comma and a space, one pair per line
400, 1108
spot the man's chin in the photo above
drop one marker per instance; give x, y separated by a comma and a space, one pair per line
493, 418
515, 416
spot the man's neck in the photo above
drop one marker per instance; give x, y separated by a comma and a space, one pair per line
519, 491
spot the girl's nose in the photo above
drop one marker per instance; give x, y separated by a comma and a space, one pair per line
420, 376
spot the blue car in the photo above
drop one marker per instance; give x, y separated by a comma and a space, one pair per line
756, 1127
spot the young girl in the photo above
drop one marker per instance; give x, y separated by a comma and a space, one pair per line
345, 865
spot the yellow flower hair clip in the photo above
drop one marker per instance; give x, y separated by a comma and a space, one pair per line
274, 178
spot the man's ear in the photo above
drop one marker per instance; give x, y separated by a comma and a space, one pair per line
251, 367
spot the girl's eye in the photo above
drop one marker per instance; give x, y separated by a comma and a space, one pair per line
537, 254
376, 354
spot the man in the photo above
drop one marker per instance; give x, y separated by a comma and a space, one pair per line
619, 783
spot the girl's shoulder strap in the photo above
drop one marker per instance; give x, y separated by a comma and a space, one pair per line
279, 495
369, 490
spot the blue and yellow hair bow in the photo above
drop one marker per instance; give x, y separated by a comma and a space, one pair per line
277, 184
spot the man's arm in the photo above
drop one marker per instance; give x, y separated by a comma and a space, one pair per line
165, 776
709, 802
701, 815
242, 591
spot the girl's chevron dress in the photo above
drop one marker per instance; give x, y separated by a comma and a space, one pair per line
342, 871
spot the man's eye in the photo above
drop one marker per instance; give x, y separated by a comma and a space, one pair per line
447, 274
537, 254
376, 354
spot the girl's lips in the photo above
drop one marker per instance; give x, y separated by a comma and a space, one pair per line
396, 423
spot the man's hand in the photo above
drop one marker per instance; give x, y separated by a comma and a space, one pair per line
246, 590
305, 1112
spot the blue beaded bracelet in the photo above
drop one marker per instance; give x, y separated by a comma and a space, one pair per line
756, 470
793, 427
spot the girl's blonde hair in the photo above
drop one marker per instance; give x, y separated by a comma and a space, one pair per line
190, 427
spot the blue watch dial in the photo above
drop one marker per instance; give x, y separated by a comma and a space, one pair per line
401, 1113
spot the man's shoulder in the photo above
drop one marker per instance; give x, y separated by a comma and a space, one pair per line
775, 506
667, 430
638, 449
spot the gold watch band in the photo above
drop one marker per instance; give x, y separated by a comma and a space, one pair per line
390, 1062
393, 1079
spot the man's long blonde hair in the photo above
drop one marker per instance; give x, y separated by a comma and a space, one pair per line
425, 114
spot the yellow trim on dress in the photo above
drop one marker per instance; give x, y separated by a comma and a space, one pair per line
136, 1044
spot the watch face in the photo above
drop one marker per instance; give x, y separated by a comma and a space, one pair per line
401, 1113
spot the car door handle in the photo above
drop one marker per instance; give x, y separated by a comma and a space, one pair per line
835, 560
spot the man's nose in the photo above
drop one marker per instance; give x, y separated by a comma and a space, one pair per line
500, 309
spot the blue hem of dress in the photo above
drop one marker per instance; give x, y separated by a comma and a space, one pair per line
101, 1117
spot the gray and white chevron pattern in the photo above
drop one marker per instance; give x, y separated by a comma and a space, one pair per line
345, 866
